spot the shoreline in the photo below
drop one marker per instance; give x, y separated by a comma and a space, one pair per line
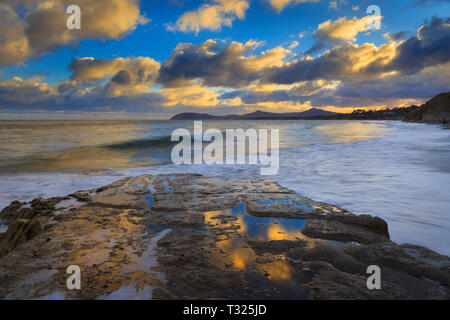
216, 238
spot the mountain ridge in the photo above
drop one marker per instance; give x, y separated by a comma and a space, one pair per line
313, 112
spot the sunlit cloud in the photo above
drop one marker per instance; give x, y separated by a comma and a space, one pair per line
41, 26
279, 5
338, 31
211, 16
342, 28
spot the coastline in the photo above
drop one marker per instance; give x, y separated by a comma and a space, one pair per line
191, 236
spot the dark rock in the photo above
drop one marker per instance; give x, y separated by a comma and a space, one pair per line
225, 241
19, 231
435, 110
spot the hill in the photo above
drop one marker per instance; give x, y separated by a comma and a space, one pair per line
313, 112
435, 110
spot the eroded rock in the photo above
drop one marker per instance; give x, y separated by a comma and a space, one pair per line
190, 236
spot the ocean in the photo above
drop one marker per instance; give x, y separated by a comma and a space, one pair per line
394, 170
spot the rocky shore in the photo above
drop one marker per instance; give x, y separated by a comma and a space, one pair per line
436, 110
189, 236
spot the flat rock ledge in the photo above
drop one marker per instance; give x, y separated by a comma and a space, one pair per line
187, 236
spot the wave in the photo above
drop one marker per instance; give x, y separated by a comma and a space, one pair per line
164, 141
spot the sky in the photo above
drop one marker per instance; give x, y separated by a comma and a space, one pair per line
152, 59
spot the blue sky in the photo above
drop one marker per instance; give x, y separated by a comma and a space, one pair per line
47, 54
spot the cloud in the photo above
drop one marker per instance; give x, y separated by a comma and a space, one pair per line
335, 32
24, 91
431, 46
390, 91
216, 66
294, 44
136, 70
41, 26
345, 61
193, 95
342, 28
14, 46
395, 36
121, 83
122, 77
212, 16
279, 5
30, 94
300, 93
125, 76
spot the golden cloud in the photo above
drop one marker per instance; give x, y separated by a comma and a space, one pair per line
279, 5
342, 28
138, 70
212, 16
14, 46
42, 28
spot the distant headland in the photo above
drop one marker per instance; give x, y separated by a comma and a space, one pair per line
435, 110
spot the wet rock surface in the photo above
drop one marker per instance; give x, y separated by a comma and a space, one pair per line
188, 236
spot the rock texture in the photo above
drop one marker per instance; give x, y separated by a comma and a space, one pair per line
435, 110
190, 236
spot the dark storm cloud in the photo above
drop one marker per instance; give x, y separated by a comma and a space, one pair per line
430, 47
122, 77
214, 65
398, 35
124, 71
334, 64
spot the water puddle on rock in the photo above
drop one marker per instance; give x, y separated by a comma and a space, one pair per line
340, 244
272, 204
69, 203
268, 275
414, 253
65, 205
149, 198
255, 228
